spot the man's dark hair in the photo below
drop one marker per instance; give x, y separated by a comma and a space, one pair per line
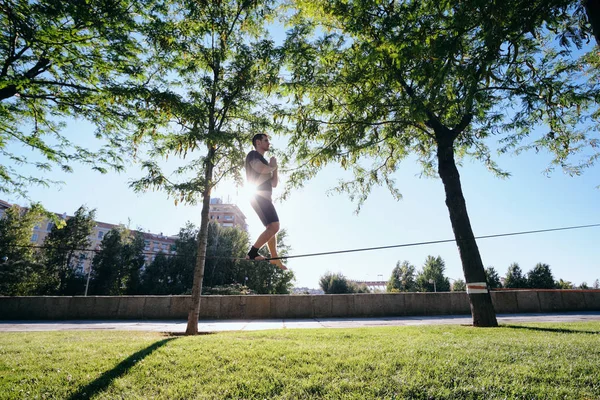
258, 136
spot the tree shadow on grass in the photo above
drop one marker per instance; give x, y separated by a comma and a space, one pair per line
554, 330
104, 380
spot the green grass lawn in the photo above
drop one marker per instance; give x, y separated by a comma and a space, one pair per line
526, 361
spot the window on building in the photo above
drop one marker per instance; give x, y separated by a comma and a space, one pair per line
218, 216
100, 234
34, 237
228, 217
36, 227
146, 245
49, 226
227, 224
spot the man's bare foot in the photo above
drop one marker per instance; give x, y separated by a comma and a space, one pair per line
257, 258
278, 264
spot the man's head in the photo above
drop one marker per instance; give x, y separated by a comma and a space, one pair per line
260, 141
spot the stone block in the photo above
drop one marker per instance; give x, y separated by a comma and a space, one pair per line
180, 306
80, 307
131, 307
573, 300
258, 307
393, 304
527, 301
157, 307
415, 303
342, 305
505, 302
210, 307
56, 307
459, 303
9, 308
438, 303
592, 300
550, 301
280, 306
321, 305
233, 307
105, 307
300, 306
369, 304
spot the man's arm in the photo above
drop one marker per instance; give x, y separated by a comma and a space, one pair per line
274, 177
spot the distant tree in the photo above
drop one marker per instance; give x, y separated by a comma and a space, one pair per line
182, 265
561, 284
156, 279
116, 267
359, 287
492, 277
596, 284
459, 286
16, 229
335, 283
584, 285
433, 269
402, 278
62, 253
540, 277
20, 272
514, 277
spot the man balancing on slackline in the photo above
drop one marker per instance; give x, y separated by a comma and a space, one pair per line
263, 175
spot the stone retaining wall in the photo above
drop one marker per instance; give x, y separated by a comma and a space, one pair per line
292, 306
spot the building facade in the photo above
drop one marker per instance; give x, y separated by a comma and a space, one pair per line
226, 215
153, 243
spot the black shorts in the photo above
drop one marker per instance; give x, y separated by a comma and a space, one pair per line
264, 208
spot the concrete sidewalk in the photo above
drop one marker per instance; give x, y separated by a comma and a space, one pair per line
179, 326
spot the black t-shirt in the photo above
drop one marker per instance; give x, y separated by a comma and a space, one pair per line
262, 181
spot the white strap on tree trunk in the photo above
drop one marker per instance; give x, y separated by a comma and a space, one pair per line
477, 288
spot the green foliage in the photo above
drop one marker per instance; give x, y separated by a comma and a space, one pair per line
16, 227
514, 277
596, 284
225, 269
492, 278
116, 267
402, 279
373, 83
540, 277
561, 284
433, 270
459, 286
62, 254
209, 66
335, 283
61, 60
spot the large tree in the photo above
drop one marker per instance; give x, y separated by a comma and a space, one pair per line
435, 79
116, 267
514, 278
540, 277
217, 58
403, 278
431, 277
61, 60
63, 246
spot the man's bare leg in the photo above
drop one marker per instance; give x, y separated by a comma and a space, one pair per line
270, 231
272, 244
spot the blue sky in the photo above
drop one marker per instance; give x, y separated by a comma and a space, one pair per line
316, 222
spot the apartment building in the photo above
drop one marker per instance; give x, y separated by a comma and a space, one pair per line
226, 215
154, 243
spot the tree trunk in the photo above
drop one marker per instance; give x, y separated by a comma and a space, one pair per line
192, 325
592, 9
482, 308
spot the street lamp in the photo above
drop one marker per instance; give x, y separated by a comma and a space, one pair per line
433, 281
